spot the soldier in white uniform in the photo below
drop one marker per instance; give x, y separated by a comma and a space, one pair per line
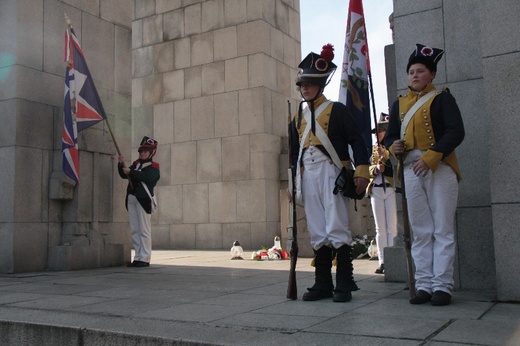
426, 137
326, 212
143, 175
382, 194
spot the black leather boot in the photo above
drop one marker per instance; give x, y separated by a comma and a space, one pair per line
345, 283
323, 285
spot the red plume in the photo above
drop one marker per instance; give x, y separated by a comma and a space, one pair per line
327, 52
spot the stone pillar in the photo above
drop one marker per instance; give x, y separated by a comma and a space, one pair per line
395, 256
211, 81
500, 103
41, 212
439, 25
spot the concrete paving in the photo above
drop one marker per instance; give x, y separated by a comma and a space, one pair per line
205, 298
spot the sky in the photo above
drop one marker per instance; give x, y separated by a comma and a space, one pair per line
325, 21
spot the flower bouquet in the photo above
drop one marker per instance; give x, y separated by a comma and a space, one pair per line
360, 246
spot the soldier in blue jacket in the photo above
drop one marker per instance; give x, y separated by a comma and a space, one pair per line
424, 129
322, 122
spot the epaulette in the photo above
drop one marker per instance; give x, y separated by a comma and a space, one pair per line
155, 165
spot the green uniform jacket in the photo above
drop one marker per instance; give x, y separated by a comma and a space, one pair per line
148, 173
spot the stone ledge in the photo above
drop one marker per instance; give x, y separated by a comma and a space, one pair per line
76, 257
16, 333
395, 264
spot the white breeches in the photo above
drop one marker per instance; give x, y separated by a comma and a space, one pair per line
327, 214
432, 202
141, 230
385, 217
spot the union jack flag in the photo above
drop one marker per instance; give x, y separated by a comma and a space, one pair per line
82, 106
69, 142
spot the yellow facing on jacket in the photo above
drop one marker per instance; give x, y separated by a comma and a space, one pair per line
419, 132
324, 119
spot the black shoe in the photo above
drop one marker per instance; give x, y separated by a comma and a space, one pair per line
132, 264
421, 297
315, 294
342, 296
441, 298
141, 264
381, 269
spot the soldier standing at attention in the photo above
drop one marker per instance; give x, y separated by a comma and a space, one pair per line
382, 194
143, 175
321, 129
424, 129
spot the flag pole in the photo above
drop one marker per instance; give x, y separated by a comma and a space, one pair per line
118, 150
68, 21
69, 56
372, 98
113, 138
370, 85
371, 88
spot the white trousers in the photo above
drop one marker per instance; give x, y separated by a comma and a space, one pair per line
141, 230
327, 214
432, 202
384, 209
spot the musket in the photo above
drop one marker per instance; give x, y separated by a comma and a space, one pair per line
292, 229
406, 232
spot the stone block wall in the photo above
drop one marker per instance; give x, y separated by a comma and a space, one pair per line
500, 94
210, 83
39, 209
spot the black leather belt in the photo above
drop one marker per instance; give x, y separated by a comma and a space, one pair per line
381, 185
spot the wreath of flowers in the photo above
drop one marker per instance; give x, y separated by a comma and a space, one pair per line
360, 246
269, 254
